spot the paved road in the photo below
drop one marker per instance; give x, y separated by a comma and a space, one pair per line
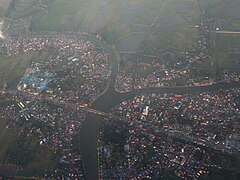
227, 32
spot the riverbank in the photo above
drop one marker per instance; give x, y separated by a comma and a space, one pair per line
113, 98
89, 137
110, 98
90, 129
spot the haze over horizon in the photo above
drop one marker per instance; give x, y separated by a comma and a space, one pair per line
120, 89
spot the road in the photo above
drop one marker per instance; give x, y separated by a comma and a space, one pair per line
227, 32
74, 106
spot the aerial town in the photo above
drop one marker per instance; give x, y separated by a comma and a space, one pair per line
153, 137
44, 92
168, 74
119, 90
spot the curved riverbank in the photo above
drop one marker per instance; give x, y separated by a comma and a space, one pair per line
114, 98
110, 98
90, 128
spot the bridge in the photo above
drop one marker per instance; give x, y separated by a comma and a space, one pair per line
94, 111
227, 32
75, 106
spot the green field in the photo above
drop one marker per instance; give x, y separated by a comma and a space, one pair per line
161, 25
224, 51
155, 28
25, 151
2, 12
164, 24
59, 13
224, 57
117, 22
4, 4
43, 161
6, 22
12, 68
73, 15
131, 42
169, 28
19, 9
6, 138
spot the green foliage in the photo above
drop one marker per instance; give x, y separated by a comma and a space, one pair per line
113, 31
72, 83
25, 152
115, 133
12, 68
19, 152
71, 15
6, 138
231, 168
2, 12
168, 175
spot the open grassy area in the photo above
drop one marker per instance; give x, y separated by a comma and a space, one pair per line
224, 53
59, 13
6, 22
131, 42
4, 4
208, 5
43, 161
12, 68
73, 15
224, 56
153, 27
72, 83
155, 21
231, 170
174, 28
2, 12
24, 151
169, 28
19, 9
6, 138
114, 31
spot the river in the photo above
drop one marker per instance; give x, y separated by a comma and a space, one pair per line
90, 128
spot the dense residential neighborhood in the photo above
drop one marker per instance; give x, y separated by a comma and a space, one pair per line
130, 89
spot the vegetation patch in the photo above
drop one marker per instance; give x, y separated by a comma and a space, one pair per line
12, 68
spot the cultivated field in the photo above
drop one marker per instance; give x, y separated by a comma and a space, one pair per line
225, 48
6, 137
77, 15
12, 68
4, 4
155, 26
